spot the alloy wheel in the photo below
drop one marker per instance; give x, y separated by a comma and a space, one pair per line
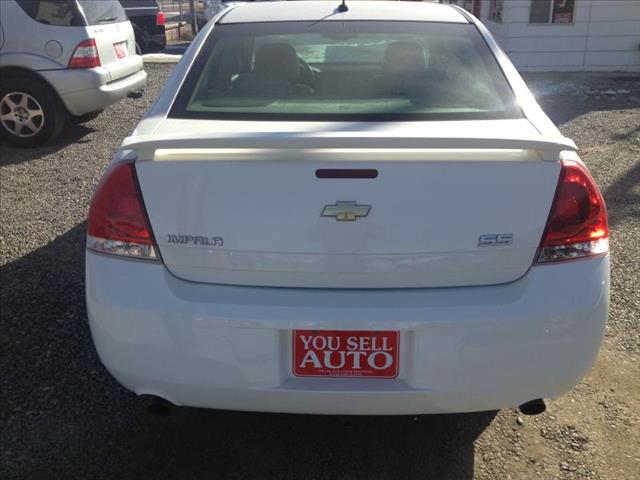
21, 114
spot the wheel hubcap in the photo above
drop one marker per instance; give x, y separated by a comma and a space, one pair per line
21, 114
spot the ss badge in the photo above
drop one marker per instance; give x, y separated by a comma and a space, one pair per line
495, 239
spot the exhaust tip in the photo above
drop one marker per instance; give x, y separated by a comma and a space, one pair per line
534, 407
159, 407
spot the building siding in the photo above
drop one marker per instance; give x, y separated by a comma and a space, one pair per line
604, 35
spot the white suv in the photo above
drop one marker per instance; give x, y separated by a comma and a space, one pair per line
60, 58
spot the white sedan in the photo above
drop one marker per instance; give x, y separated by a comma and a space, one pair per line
358, 211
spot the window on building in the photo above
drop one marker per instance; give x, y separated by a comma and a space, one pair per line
495, 10
552, 11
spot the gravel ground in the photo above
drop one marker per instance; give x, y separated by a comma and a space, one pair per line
63, 416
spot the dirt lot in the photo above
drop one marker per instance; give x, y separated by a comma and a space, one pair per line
63, 416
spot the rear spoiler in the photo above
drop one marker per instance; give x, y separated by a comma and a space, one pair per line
147, 146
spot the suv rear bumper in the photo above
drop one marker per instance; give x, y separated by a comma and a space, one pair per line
85, 91
461, 349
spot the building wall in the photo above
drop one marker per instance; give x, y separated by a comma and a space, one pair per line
605, 35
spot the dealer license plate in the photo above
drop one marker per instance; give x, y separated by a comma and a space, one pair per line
121, 49
345, 353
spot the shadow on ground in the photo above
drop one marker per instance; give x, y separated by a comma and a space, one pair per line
63, 416
622, 201
565, 96
72, 133
562, 109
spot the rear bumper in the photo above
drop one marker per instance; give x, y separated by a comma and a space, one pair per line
461, 349
85, 91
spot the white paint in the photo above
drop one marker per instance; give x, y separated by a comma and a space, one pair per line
461, 349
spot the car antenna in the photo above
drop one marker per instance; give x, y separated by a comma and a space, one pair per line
343, 7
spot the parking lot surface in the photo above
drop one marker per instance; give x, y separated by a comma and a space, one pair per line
63, 416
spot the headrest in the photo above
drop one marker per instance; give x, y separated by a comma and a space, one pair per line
404, 57
277, 60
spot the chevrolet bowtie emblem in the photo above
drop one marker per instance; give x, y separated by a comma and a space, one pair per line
345, 211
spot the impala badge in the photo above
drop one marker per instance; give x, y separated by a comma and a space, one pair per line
198, 240
345, 211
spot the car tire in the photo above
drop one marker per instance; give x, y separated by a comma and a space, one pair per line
31, 113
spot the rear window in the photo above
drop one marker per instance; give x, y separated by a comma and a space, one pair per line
59, 13
74, 13
345, 70
100, 12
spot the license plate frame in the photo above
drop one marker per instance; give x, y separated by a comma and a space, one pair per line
375, 346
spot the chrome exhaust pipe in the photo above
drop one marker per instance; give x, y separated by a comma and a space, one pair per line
534, 407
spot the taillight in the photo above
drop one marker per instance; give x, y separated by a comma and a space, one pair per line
160, 19
577, 225
118, 223
85, 55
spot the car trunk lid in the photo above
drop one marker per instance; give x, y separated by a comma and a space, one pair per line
442, 210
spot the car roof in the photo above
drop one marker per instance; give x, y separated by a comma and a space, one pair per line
310, 11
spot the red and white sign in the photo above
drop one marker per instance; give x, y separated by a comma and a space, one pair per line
345, 353
121, 49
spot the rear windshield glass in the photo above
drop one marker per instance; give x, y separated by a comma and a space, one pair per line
58, 13
74, 13
100, 12
345, 70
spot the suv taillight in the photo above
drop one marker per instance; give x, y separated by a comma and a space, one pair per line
85, 55
577, 225
118, 222
160, 20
